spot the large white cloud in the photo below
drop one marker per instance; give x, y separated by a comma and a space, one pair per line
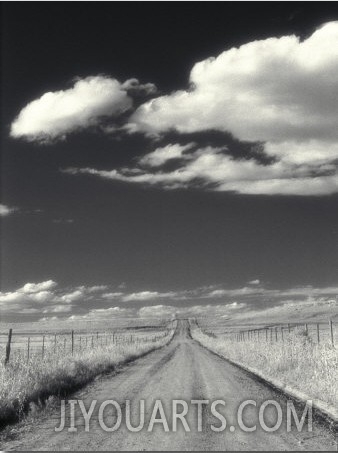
280, 91
56, 114
275, 89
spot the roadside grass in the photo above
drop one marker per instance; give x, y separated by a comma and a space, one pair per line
27, 384
297, 361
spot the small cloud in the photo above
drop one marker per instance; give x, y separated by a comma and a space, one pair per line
72, 296
112, 295
217, 293
56, 114
37, 287
58, 309
162, 155
96, 288
6, 210
135, 88
254, 282
146, 295
157, 311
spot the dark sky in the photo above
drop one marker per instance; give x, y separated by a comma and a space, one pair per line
82, 230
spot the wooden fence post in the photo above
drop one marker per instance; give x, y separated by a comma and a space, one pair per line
43, 345
317, 333
331, 332
306, 329
28, 346
72, 342
8, 346
55, 343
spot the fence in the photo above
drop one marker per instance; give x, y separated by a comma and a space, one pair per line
34, 344
321, 332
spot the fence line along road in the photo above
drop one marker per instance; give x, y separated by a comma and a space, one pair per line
321, 332
29, 345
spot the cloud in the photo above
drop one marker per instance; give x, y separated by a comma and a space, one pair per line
28, 296
157, 311
278, 91
102, 314
37, 287
96, 288
168, 311
6, 210
145, 295
161, 156
56, 114
111, 311
254, 290
46, 297
254, 282
212, 168
89, 302
72, 296
237, 292
272, 89
112, 295
134, 87
58, 309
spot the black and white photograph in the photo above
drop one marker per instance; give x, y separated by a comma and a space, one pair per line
169, 226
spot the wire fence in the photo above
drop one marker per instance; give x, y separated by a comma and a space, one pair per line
317, 333
26, 346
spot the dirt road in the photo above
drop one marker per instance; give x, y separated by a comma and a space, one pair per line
182, 370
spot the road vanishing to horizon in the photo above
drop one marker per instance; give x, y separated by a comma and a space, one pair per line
181, 370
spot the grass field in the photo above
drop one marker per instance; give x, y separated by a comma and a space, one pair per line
25, 382
297, 361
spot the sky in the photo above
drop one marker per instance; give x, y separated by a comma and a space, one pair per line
167, 157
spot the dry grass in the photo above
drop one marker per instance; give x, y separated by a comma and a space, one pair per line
297, 362
24, 384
